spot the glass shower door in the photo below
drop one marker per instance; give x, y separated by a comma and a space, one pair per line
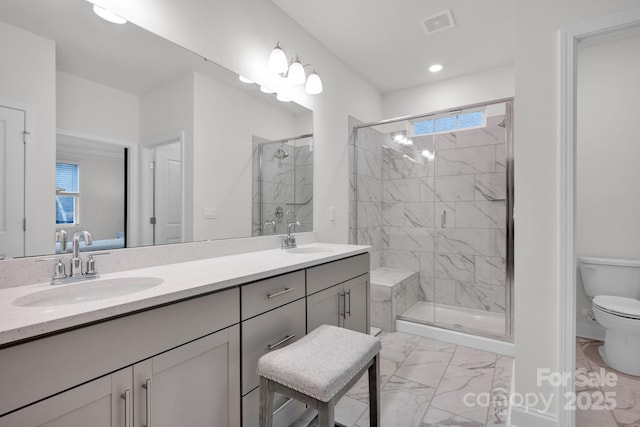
470, 235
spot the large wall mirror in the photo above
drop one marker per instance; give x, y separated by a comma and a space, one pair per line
139, 141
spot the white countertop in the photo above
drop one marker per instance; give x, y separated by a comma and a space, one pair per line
181, 280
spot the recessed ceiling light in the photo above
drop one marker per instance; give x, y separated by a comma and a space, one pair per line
107, 15
435, 68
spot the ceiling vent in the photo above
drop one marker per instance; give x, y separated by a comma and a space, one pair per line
438, 22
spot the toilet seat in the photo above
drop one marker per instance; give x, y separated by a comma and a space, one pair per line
618, 306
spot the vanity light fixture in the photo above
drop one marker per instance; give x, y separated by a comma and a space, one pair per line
107, 15
243, 79
265, 89
295, 73
278, 60
314, 84
435, 68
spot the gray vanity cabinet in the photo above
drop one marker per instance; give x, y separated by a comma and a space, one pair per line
98, 403
338, 294
191, 374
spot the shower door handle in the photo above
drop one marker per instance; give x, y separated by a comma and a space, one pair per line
443, 219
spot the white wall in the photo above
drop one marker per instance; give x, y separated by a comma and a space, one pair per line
608, 173
239, 35
488, 85
27, 77
94, 109
537, 184
163, 112
223, 149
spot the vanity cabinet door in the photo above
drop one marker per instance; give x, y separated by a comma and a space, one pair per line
104, 402
357, 307
196, 384
325, 308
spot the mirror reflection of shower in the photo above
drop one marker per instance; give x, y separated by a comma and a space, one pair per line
282, 184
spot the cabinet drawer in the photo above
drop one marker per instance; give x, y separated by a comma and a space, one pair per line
332, 273
266, 330
285, 411
268, 294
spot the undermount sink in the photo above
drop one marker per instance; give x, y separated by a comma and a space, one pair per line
93, 290
309, 250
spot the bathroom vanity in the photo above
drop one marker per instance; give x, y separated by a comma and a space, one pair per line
180, 353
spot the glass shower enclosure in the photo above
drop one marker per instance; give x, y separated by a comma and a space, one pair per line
432, 194
282, 184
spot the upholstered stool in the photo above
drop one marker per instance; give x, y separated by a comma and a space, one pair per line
318, 370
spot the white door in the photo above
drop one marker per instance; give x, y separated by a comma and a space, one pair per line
11, 182
168, 194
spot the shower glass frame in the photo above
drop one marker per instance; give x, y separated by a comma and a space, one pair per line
260, 180
509, 200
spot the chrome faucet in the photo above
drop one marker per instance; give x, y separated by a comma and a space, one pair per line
269, 222
61, 236
289, 242
76, 261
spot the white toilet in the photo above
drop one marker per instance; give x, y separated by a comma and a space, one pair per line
614, 285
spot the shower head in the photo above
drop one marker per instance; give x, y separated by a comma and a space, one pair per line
280, 154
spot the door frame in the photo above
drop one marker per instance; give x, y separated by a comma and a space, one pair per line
144, 204
132, 177
567, 122
30, 198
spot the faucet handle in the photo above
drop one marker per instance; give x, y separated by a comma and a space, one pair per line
91, 264
58, 269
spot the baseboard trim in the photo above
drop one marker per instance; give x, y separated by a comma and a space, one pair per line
592, 331
525, 417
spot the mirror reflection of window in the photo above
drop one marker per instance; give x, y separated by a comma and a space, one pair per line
67, 194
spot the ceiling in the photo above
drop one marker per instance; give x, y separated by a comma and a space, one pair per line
125, 57
384, 42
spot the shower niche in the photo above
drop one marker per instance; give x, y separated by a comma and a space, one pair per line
431, 194
282, 185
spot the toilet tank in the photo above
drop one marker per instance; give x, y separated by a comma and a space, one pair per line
616, 277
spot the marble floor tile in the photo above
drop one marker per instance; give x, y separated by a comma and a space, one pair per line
423, 383
425, 366
349, 410
403, 404
595, 419
626, 418
456, 384
438, 418
397, 346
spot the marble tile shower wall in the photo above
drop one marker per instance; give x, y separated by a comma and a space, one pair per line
398, 205
286, 183
365, 195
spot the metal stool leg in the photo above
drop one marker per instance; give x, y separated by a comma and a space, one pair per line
326, 414
374, 392
266, 403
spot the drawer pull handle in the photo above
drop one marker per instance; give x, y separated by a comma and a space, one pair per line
282, 341
348, 310
277, 294
289, 400
126, 396
147, 387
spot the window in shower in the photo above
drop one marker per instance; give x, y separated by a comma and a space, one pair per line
449, 123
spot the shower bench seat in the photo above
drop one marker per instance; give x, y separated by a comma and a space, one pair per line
393, 291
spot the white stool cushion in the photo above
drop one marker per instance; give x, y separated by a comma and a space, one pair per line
321, 363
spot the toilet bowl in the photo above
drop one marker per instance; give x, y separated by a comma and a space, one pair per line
614, 286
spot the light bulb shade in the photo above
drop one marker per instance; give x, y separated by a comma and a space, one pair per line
107, 15
243, 79
296, 75
314, 84
282, 97
278, 60
264, 89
